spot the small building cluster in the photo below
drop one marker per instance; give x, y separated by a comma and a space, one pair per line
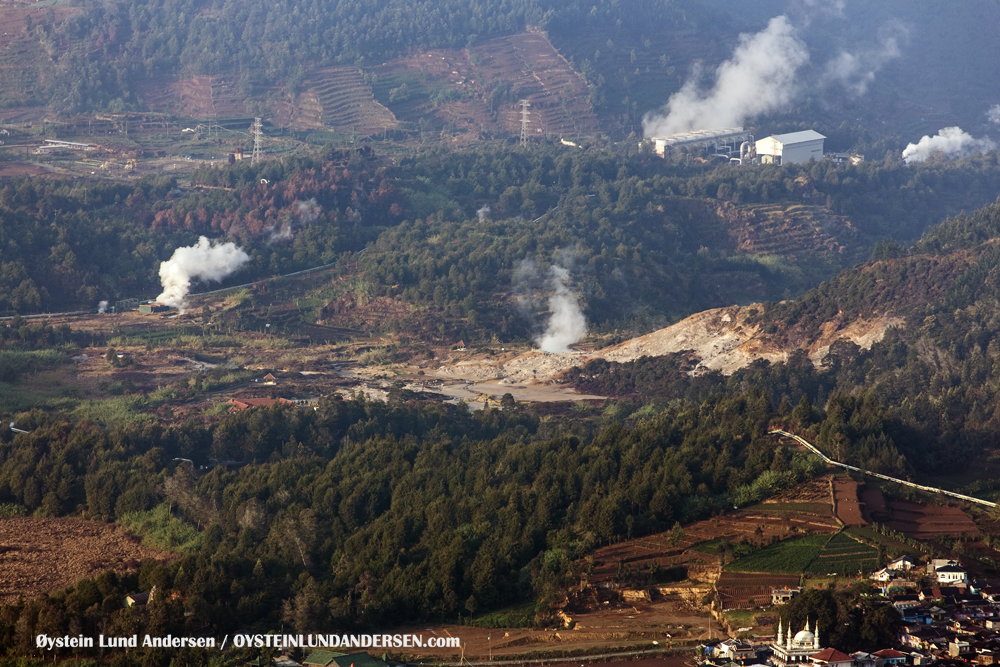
803, 649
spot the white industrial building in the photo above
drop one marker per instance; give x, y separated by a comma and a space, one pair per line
792, 148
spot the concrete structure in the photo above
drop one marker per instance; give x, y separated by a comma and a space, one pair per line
148, 308
790, 651
951, 574
783, 595
728, 138
792, 148
904, 563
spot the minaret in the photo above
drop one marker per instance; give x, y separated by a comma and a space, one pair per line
816, 636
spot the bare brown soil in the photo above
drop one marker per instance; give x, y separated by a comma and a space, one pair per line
611, 627
10, 169
845, 495
929, 521
873, 506
751, 590
38, 556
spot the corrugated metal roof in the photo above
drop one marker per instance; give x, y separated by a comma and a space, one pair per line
797, 137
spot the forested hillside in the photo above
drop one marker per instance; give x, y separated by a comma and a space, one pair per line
923, 401
648, 241
370, 513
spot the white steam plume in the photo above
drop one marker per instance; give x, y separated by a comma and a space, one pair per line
757, 79
566, 325
993, 115
950, 142
102, 306
857, 70
202, 261
483, 213
308, 211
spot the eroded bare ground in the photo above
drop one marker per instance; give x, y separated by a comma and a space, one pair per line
38, 556
721, 338
629, 627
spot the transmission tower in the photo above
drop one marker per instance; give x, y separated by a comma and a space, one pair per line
258, 141
524, 121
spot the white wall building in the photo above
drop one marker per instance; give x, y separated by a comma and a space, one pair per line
792, 148
951, 574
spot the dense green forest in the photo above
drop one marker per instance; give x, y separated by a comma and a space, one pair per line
650, 240
364, 512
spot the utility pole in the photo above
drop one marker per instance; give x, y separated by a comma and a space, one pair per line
258, 141
524, 121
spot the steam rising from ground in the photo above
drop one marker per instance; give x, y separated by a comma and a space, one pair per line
759, 78
857, 70
306, 211
202, 261
102, 306
950, 142
483, 213
566, 325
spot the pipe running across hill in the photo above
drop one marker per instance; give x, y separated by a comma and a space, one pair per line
929, 489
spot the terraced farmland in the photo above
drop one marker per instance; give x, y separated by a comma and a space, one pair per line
559, 98
786, 557
845, 556
347, 103
795, 230
738, 590
476, 90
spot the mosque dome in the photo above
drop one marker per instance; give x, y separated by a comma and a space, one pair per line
803, 639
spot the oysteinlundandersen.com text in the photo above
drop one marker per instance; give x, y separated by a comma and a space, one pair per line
252, 641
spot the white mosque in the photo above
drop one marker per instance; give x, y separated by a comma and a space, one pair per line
797, 650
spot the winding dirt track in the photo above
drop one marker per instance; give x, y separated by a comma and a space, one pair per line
38, 556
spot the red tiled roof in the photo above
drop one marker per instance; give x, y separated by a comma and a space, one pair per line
889, 653
831, 655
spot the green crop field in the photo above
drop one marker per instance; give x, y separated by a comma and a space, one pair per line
789, 556
844, 555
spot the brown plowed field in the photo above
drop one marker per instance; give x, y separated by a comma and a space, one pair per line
930, 521
750, 590
873, 505
845, 497
38, 556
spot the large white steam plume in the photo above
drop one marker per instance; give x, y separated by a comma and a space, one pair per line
950, 142
566, 325
758, 78
203, 261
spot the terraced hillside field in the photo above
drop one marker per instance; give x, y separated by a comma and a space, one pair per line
751, 590
345, 101
476, 91
527, 62
20, 53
